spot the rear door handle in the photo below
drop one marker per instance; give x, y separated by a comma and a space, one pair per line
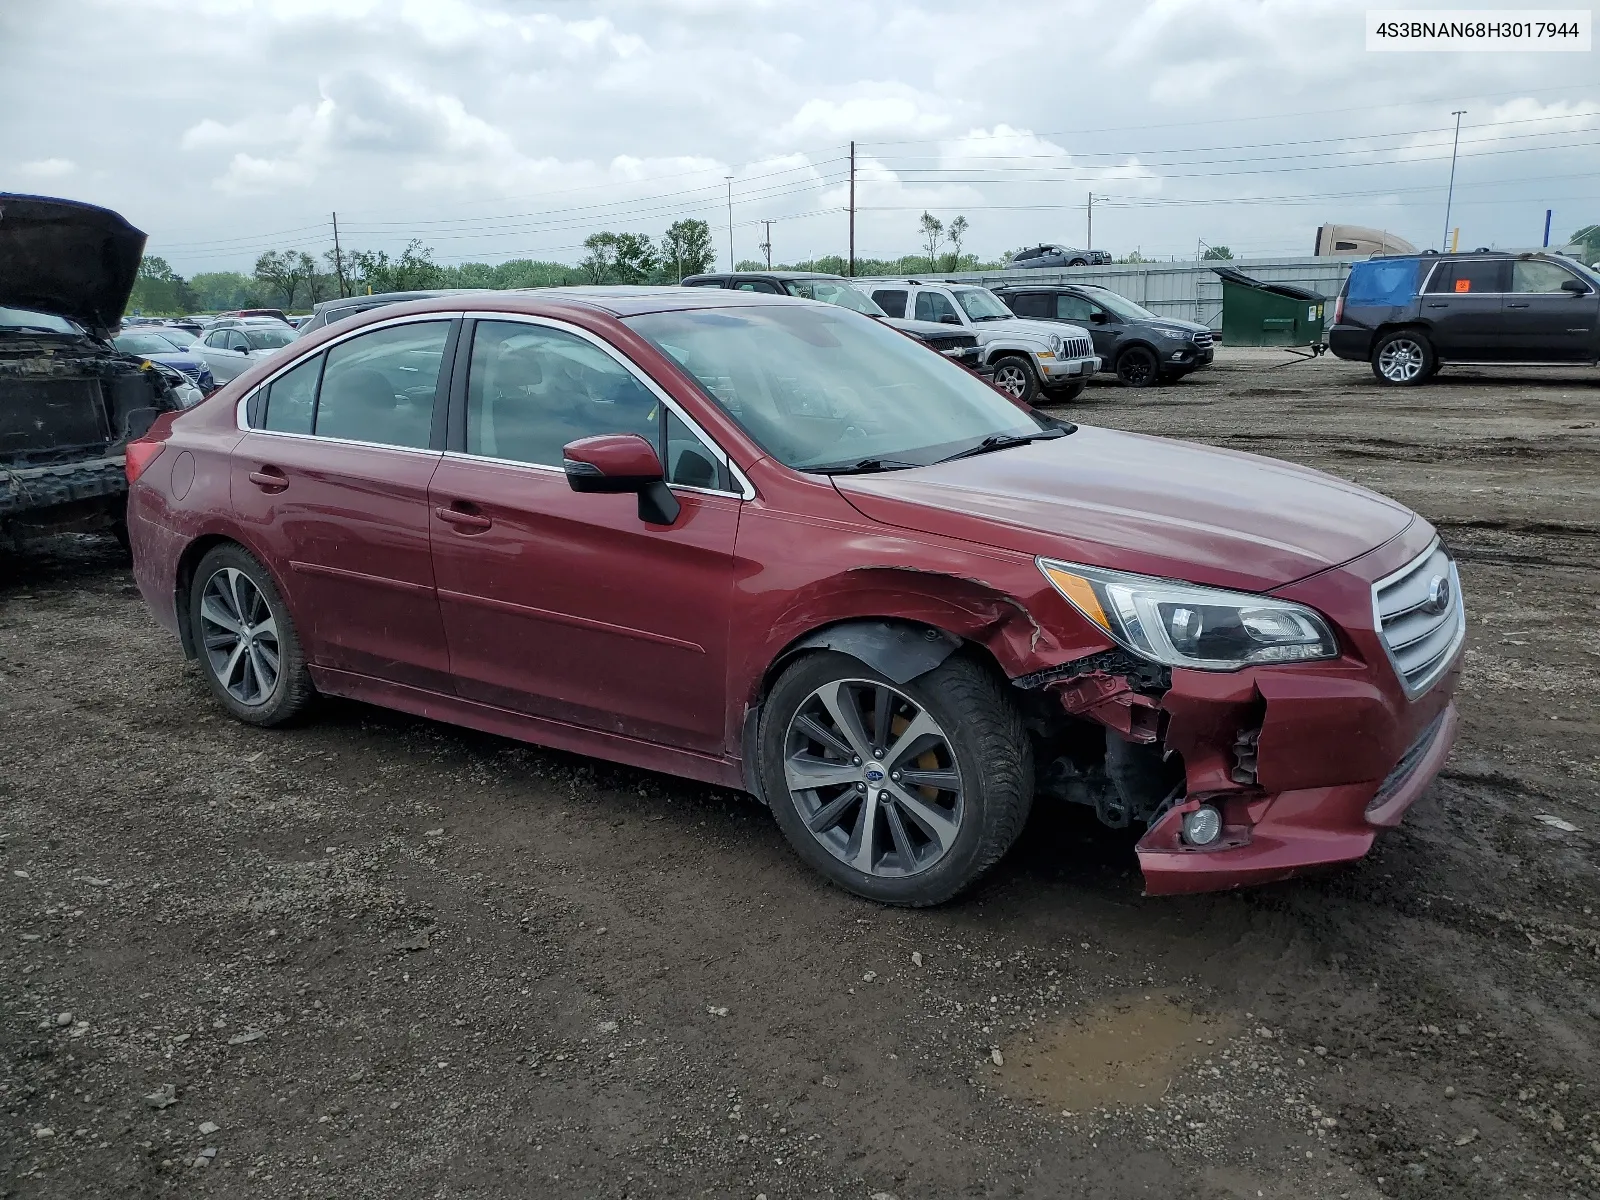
466, 522
269, 479
1438, 304
1510, 304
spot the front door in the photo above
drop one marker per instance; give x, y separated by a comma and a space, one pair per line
1544, 322
566, 605
1463, 304
1104, 326
333, 480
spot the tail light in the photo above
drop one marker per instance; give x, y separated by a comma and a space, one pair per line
1338, 310
142, 451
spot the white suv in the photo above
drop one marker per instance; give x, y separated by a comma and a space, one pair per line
1027, 356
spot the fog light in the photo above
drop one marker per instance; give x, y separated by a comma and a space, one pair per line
1203, 826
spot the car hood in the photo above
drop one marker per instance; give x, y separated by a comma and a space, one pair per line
67, 258
1144, 504
1188, 328
926, 328
1021, 327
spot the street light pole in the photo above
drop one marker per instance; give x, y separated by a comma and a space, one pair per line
729, 178
1451, 194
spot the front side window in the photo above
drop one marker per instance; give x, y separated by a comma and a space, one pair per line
268, 338
1538, 275
755, 285
822, 389
936, 306
236, 342
687, 461
531, 390
830, 292
981, 304
1074, 308
380, 386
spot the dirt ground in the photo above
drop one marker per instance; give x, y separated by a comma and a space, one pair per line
372, 956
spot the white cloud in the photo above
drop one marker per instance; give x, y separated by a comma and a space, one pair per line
876, 110
48, 168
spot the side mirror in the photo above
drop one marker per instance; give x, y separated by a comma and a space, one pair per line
1575, 287
615, 463
949, 319
1098, 318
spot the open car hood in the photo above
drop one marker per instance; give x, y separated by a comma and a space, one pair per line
71, 259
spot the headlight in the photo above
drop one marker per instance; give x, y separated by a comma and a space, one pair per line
1176, 335
1183, 625
1055, 344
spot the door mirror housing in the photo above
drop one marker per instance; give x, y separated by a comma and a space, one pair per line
617, 463
1575, 286
1098, 318
949, 319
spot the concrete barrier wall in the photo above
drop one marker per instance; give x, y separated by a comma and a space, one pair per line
1187, 291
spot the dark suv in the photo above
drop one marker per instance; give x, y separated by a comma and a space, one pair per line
1409, 315
1142, 348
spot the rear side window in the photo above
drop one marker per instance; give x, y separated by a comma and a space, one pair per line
892, 301
292, 398
1470, 277
1382, 283
380, 387
935, 306
1028, 304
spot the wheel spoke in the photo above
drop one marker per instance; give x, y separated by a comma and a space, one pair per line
922, 725
826, 817
233, 577
859, 853
819, 733
841, 707
805, 772
264, 678
944, 780
226, 672
934, 823
213, 611
902, 838
882, 702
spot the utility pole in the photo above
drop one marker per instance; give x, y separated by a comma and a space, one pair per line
1451, 194
767, 245
1090, 246
852, 210
338, 258
729, 178
1548, 213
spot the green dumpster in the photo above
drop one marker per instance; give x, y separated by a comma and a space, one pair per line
1256, 313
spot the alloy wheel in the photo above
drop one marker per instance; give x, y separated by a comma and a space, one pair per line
1137, 368
1011, 379
240, 633
1401, 360
874, 778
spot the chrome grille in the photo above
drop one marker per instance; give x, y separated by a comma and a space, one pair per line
1076, 347
952, 341
1422, 628
1203, 340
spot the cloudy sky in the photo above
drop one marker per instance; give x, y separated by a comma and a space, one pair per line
495, 129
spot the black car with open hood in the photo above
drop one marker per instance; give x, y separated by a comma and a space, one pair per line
69, 400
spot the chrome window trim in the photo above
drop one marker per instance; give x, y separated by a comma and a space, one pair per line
1448, 657
241, 418
463, 456
745, 490
324, 439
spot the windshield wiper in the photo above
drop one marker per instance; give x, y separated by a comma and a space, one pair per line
864, 467
1004, 441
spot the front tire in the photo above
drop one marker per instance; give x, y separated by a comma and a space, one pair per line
248, 647
1137, 367
1066, 393
1403, 358
1014, 376
902, 793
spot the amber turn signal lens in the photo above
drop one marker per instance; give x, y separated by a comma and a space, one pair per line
1078, 590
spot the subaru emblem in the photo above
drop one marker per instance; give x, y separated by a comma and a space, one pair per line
1438, 594
874, 774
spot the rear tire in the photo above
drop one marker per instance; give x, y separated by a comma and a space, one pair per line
894, 840
1403, 358
1137, 367
1015, 376
246, 640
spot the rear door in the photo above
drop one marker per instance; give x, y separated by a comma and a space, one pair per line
891, 300
564, 605
1462, 303
1542, 321
1029, 304
332, 478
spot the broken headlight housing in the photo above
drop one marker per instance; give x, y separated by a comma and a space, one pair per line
1184, 625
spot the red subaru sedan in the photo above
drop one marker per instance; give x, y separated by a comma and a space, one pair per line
772, 545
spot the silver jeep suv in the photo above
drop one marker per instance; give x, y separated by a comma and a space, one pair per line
1028, 357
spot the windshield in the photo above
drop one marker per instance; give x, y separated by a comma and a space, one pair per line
27, 318
982, 305
831, 292
178, 336
142, 343
822, 390
268, 338
1121, 306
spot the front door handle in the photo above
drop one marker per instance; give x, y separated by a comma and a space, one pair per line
466, 522
269, 479
1438, 304
1516, 304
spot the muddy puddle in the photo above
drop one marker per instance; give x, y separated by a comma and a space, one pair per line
1125, 1051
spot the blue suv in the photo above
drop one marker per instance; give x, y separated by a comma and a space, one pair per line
1409, 315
